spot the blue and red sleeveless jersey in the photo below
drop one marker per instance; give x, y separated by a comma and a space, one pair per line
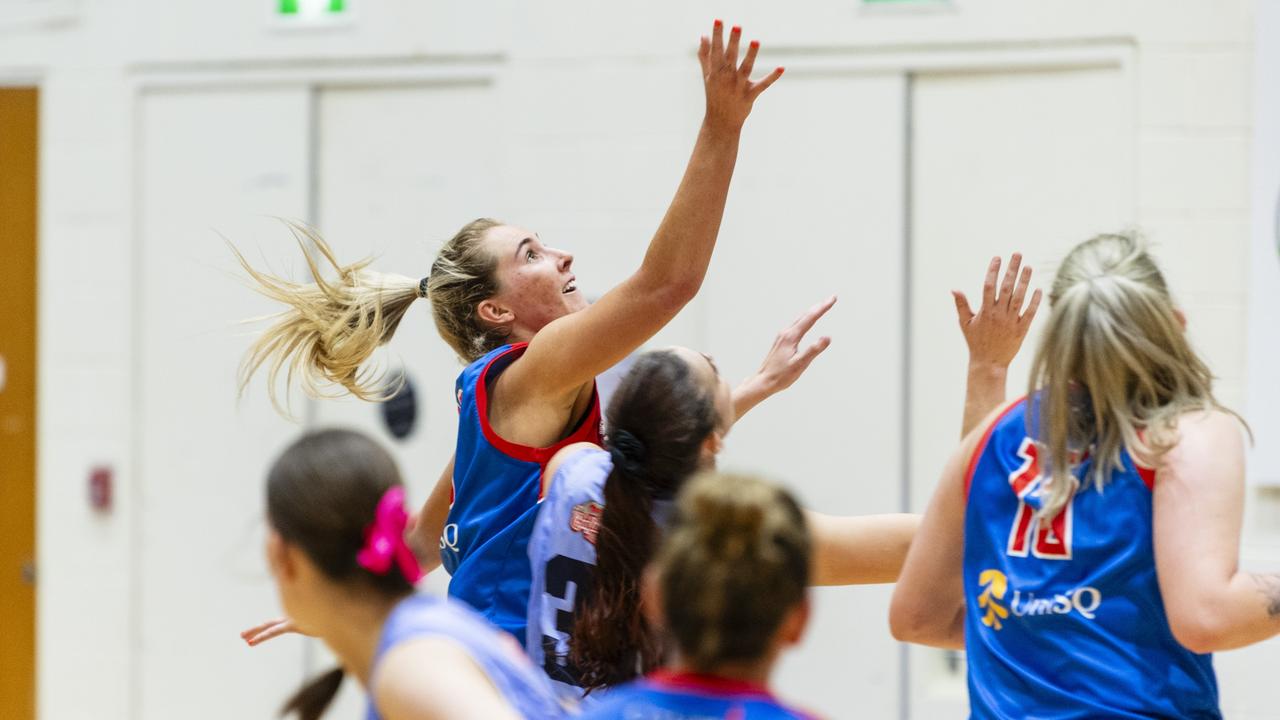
1064, 617
495, 653
496, 489
688, 696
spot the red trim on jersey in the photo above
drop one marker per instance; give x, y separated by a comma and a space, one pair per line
717, 687
982, 445
1148, 474
587, 431
709, 684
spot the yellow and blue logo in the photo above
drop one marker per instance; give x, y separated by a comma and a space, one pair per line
995, 585
1000, 601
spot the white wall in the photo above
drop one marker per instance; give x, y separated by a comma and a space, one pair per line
1264, 254
163, 120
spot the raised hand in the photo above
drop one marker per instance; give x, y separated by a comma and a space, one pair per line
785, 362
995, 333
729, 89
259, 634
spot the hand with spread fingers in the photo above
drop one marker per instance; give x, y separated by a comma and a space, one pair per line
785, 362
729, 89
995, 333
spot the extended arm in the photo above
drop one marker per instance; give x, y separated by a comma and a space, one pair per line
994, 335
928, 601
859, 550
424, 536
574, 349
785, 363
1198, 509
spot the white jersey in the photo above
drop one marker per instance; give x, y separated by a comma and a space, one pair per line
562, 554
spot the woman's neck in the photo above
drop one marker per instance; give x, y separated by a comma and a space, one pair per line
352, 626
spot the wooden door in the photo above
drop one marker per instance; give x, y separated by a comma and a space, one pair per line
18, 114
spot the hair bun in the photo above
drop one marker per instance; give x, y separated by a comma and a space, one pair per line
731, 519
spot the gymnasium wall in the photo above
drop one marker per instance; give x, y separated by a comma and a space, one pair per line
904, 146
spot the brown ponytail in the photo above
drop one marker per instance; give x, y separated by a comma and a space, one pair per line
314, 698
659, 418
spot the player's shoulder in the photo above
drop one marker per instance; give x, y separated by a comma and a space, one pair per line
1203, 441
565, 459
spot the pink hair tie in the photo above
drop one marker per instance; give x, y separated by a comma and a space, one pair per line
384, 539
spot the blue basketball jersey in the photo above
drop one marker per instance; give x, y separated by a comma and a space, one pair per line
562, 554
1064, 617
687, 696
496, 489
494, 652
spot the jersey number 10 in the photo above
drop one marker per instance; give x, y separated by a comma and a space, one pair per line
1048, 540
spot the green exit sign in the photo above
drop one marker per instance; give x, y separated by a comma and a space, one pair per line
307, 12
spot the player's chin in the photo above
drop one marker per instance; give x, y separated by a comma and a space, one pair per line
575, 301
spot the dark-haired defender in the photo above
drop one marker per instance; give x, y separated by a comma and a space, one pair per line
603, 506
729, 586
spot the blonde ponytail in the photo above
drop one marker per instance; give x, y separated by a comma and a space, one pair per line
1114, 368
330, 328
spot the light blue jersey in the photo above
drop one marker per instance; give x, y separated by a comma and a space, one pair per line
1064, 617
562, 555
493, 651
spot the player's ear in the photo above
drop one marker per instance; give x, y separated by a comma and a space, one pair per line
711, 447
795, 623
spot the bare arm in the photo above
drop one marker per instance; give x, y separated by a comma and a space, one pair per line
433, 678
928, 601
1198, 509
572, 350
859, 550
428, 526
785, 363
994, 335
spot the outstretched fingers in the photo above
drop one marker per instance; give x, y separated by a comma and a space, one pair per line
267, 630
989, 283
963, 312
1030, 314
1020, 291
1010, 275
731, 52
717, 40
749, 62
808, 355
805, 322
771, 78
